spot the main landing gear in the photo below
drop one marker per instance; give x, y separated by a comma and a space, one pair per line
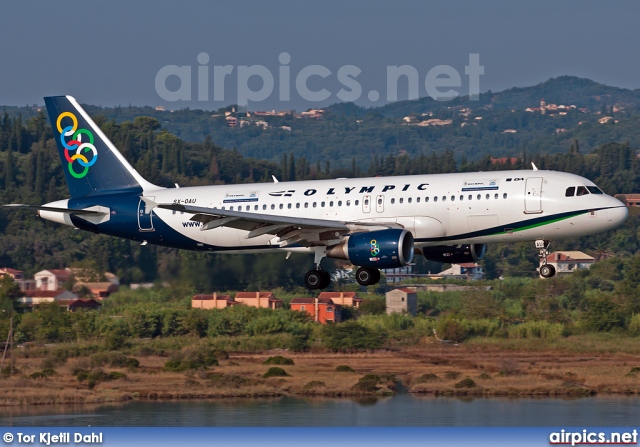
546, 270
366, 276
319, 278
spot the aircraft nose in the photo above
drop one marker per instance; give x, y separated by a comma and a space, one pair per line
618, 213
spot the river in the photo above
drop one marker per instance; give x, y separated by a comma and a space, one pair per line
401, 410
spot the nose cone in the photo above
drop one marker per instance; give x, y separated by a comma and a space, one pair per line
617, 213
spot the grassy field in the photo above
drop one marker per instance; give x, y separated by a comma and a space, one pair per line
572, 366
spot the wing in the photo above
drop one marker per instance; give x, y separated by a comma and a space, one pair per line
290, 230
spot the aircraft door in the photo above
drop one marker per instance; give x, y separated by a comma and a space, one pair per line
533, 195
145, 221
380, 204
366, 204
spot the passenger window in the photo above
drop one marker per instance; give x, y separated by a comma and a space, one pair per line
409, 200
570, 192
380, 201
331, 203
314, 204
582, 191
322, 204
255, 208
444, 198
357, 202
392, 201
426, 199
366, 202
297, 205
348, 202
264, 207
417, 199
306, 204
281, 206
289, 206
230, 208
401, 199
504, 196
435, 198
496, 196
453, 198
273, 206
470, 197
479, 197
461, 197
487, 196
339, 202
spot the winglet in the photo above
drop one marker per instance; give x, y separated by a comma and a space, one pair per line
275, 180
533, 165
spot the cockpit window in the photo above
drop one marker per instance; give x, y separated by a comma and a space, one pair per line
582, 190
594, 190
571, 191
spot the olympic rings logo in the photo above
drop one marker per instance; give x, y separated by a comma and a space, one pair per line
76, 144
375, 248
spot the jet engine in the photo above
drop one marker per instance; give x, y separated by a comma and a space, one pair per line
454, 254
376, 249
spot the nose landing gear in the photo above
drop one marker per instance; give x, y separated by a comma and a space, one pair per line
546, 269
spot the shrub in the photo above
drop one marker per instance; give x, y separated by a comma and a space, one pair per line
196, 357
218, 380
466, 383
452, 330
43, 374
96, 376
352, 335
367, 384
274, 371
537, 329
430, 377
452, 375
278, 360
634, 325
344, 368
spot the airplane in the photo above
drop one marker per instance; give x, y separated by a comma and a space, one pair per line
374, 223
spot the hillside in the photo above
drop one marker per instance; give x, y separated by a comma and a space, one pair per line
496, 125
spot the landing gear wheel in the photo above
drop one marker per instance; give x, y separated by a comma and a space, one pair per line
313, 279
366, 276
547, 271
317, 279
326, 279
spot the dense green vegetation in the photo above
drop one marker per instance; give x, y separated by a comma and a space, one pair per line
159, 321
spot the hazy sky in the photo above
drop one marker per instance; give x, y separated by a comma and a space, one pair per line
110, 53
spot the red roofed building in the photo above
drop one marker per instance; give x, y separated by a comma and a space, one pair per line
35, 297
214, 301
569, 261
259, 299
342, 298
466, 270
51, 279
322, 310
18, 278
402, 300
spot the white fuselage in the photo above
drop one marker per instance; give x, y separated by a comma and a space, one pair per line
443, 209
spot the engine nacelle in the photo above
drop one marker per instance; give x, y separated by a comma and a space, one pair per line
455, 254
376, 249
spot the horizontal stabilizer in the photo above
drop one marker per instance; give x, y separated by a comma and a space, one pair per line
54, 210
